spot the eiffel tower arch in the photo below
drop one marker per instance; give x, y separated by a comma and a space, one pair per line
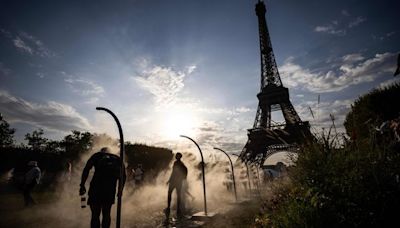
267, 136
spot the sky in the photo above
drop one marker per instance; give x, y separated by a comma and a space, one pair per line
189, 67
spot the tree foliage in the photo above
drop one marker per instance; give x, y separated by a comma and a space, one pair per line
153, 159
54, 156
76, 143
372, 109
36, 140
6, 133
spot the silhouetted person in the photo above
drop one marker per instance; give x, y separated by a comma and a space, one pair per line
68, 171
103, 185
178, 175
31, 179
139, 174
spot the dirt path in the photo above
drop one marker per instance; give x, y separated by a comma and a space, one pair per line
46, 214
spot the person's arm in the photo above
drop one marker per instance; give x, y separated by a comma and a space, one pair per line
123, 180
185, 170
172, 173
85, 174
38, 175
123, 175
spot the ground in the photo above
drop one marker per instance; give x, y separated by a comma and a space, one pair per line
52, 212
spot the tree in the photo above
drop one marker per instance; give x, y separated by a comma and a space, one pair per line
53, 146
371, 110
77, 143
36, 140
6, 133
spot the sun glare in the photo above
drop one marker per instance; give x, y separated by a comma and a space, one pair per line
178, 122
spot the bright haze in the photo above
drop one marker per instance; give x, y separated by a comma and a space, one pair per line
185, 67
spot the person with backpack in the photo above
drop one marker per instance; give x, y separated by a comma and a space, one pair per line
178, 176
103, 185
31, 179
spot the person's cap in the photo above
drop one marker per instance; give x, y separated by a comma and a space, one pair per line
32, 163
178, 155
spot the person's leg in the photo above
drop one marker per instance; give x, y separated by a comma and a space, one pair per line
31, 201
26, 195
95, 221
184, 197
167, 210
170, 189
31, 187
106, 210
179, 201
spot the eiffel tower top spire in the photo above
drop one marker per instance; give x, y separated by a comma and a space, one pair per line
269, 69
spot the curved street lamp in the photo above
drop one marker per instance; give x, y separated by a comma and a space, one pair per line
121, 155
202, 170
233, 172
247, 172
258, 175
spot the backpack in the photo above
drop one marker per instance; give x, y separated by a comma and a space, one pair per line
109, 165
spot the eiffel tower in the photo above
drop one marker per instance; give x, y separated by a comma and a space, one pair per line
267, 136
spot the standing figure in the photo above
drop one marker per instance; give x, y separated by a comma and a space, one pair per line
31, 179
103, 185
68, 171
139, 173
178, 176
131, 177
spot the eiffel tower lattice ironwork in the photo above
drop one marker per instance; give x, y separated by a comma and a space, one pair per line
267, 136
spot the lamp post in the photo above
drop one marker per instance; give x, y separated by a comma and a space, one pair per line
247, 172
258, 179
121, 155
202, 171
233, 172
258, 176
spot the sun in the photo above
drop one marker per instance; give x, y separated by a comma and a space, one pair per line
179, 122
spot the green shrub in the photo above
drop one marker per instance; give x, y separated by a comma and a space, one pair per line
346, 187
356, 185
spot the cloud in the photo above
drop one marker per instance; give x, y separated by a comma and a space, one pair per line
388, 83
40, 74
224, 111
191, 69
357, 22
215, 126
21, 45
29, 44
330, 29
164, 83
4, 70
345, 12
384, 36
212, 133
351, 71
322, 111
351, 58
243, 109
85, 87
50, 115
339, 27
